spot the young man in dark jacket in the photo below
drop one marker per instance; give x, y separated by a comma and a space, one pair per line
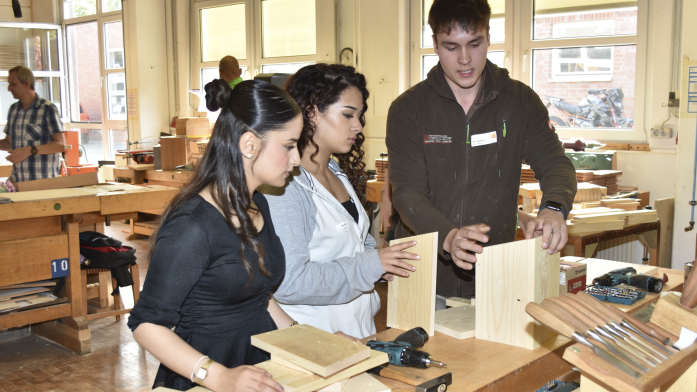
456, 142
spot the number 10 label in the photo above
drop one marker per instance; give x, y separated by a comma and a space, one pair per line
60, 268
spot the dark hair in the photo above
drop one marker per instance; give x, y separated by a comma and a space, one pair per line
321, 85
466, 15
253, 106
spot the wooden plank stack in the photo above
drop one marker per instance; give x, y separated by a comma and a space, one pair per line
527, 176
304, 358
607, 178
17, 296
592, 220
381, 169
625, 204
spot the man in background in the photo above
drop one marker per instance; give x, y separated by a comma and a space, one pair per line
230, 71
34, 131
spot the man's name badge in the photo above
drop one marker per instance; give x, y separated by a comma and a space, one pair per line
483, 139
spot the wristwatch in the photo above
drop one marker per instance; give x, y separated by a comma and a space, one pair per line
34, 150
202, 372
554, 206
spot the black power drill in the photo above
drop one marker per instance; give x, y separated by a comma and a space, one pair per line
402, 351
630, 277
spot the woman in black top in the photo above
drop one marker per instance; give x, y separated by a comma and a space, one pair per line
216, 258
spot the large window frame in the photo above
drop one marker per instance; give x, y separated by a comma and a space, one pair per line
325, 43
107, 125
61, 74
519, 46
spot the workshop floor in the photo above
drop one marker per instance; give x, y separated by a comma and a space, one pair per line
117, 362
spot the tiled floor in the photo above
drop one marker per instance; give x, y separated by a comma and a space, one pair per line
117, 362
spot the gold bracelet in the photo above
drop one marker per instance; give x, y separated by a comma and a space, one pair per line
294, 323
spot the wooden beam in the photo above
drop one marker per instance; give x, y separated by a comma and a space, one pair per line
665, 209
58, 182
508, 277
411, 302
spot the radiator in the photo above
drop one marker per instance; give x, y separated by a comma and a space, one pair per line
626, 249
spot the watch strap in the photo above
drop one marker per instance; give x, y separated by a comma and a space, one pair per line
34, 150
561, 207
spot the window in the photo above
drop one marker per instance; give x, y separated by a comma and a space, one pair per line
96, 66
265, 36
570, 51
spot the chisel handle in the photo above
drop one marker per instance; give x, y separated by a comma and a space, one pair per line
545, 317
565, 315
585, 309
597, 305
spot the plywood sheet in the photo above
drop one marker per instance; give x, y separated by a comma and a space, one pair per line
294, 381
311, 348
508, 277
456, 322
411, 302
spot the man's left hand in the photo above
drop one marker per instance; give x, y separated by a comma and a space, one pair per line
19, 154
549, 224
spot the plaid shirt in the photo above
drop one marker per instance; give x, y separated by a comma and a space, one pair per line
34, 127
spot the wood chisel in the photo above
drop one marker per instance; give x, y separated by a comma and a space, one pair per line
547, 318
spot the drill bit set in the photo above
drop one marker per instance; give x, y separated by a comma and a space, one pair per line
615, 348
619, 295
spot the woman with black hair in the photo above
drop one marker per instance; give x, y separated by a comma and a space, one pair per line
331, 261
216, 258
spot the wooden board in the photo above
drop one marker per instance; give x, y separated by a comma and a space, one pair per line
604, 217
454, 302
311, 348
456, 322
641, 216
508, 277
670, 316
665, 209
5, 170
173, 152
411, 302
58, 182
594, 227
35, 255
364, 383
294, 381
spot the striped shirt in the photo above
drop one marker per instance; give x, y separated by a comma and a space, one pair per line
34, 127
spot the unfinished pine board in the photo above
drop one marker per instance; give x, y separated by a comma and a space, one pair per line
311, 348
336, 387
455, 302
593, 211
276, 359
294, 381
641, 216
456, 322
594, 227
665, 209
411, 302
508, 277
670, 316
364, 383
58, 182
605, 217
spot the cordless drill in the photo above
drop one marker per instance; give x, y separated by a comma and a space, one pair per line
403, 350
630, 277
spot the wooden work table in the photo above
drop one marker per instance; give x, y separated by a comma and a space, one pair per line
479, 365
41, 226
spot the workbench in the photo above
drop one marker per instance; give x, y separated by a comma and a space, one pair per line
585, 245
479, 365
39, 227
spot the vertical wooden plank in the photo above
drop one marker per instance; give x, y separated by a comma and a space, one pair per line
665, 209
74, 280
411, 302
508, 277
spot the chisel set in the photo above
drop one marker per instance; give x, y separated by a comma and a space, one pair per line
617, 346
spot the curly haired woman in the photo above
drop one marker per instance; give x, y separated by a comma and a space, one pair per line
331, 261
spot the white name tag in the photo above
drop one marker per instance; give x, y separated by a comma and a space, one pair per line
342, 227
483, 139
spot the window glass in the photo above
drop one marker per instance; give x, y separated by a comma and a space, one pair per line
289, 68
118, 140
116, 93
92, 147
78, 8
36, 49
210, 74
111, 5
429, 61
583, 86
85, 80
113, 45
497, 23
223, 32
587, 18
6, 99
288, 28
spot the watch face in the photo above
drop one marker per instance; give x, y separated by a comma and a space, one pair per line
201, 373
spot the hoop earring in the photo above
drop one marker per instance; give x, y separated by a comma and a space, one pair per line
247, 155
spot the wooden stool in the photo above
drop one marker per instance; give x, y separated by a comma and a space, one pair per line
118, 303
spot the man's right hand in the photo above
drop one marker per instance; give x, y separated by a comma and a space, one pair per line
460, 241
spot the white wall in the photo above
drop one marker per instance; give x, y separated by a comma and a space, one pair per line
684, 242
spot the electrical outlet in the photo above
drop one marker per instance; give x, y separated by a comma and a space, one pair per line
661, 133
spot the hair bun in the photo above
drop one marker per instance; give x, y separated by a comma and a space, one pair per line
217, 94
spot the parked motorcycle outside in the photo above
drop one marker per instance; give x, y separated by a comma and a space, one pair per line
600, 109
